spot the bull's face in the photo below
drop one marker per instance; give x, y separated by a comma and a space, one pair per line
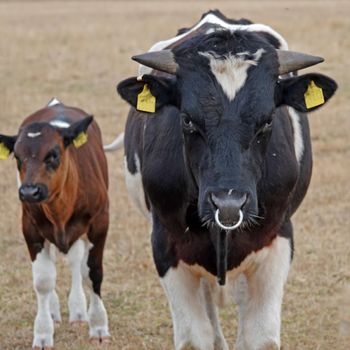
42, 158
227, 88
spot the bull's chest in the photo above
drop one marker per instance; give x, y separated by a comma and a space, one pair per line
199, 255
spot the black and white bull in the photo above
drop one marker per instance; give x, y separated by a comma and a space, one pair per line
221, 166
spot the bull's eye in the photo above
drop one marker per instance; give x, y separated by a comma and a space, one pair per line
263, 131
188, 124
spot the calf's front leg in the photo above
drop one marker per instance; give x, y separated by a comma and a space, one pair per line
44, 280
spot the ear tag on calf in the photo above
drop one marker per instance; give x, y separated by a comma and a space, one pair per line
146, 102
4, 152
80, 139
313, 96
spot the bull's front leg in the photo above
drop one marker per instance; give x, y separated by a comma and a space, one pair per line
260, 294
191, 324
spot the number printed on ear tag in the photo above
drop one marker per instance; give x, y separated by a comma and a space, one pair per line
313, 96
146, 102
4, 151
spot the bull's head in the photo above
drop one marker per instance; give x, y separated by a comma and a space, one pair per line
227, 87
42, 161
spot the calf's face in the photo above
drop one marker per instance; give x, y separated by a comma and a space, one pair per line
41, 152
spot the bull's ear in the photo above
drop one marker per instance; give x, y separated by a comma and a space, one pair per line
148, 93
76, 133
306, 92
7, 143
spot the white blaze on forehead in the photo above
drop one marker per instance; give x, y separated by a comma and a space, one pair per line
53, 102
33, 134
60, 124
231, 71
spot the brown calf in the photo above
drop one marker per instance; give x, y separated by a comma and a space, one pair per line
64, 181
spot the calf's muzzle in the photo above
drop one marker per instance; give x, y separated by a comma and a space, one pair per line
33, 193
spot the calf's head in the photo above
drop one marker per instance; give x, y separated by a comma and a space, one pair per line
42, 158
227, 87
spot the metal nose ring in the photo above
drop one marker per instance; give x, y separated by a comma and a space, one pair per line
233, 227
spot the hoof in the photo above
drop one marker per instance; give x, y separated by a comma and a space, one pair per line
57, 324
43, 348
78, 324
100, 340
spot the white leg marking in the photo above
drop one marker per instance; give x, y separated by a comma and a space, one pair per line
97, 314
98, 319
77, 299
219, 342
55, 307
298, 134
44, 280
135, 188
191, 323
260, 311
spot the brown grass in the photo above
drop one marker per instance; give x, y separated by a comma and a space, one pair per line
78, 51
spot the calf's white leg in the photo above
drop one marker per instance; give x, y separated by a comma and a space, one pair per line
97, 314
77, 300
44, 280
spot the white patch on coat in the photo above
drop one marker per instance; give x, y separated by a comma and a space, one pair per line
60, 124
135, 188
191, 322
77, 300
53, 102
297, 132
231, 71
260, 312
33, 134
44, 280
256, 285
211, 18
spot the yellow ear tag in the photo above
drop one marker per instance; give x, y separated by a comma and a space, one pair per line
313, 96
80, 139
4, 152
146, 102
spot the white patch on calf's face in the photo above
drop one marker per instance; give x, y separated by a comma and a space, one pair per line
60, 124
231, 72
33, 134
297, 133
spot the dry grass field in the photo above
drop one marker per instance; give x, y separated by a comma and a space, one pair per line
78, 51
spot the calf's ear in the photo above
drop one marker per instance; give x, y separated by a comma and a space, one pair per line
7, 143
148, 93
76, 133
306, 92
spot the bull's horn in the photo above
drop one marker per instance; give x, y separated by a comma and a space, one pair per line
160, 60
291, 61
